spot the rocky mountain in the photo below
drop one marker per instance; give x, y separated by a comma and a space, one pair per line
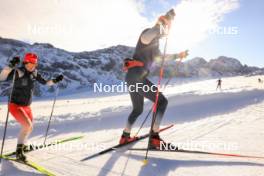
81, 70
104, 66
220, 67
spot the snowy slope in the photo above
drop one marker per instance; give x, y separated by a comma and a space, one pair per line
229, 121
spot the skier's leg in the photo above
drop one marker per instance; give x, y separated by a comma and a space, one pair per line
25, 132
162, 103
138, 104
151, 95
24, 119
24, 116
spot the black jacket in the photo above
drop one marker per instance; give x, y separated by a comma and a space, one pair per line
24, 86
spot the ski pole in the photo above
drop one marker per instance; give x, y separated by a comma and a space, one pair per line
144, 121
156, 100
54, 101
7, 115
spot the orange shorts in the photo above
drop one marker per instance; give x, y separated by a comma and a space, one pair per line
20, 113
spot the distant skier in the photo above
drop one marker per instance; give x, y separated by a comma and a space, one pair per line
21, 98
146, 52
260, 80
219, 84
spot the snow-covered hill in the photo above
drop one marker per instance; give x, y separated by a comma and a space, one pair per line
229, 121
81, 70
220, 67
104, 66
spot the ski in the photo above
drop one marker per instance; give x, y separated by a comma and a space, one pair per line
31, 164
200, 152
33, 148
122, 145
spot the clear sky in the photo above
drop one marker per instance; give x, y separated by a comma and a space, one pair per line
248, 44
208, 28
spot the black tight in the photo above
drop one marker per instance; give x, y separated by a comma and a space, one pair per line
137, 98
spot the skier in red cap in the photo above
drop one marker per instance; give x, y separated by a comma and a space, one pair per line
21, 95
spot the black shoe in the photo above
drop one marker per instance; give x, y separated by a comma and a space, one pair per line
20, 153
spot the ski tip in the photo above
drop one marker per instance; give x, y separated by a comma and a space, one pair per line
170, 125
77, 137
145, 162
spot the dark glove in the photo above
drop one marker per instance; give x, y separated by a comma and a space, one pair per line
14, 61
58, 79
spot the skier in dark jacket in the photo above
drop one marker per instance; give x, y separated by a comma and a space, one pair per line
21, 97
146, 52
219, 84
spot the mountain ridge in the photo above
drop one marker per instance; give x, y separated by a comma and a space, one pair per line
83, 69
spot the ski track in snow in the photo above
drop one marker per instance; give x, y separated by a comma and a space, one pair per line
201, 115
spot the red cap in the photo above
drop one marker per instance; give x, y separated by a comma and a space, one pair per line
30, 58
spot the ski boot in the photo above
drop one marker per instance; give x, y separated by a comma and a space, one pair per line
20, 153
159, 144
125, 138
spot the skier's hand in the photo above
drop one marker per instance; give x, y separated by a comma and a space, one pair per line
170, 14
58, 79
14, 61
165, 22
167, 18
182, 54
164, 26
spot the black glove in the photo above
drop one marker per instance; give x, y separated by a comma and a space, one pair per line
14, 61
58, 79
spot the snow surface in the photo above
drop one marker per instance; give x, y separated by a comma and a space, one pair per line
229, 121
